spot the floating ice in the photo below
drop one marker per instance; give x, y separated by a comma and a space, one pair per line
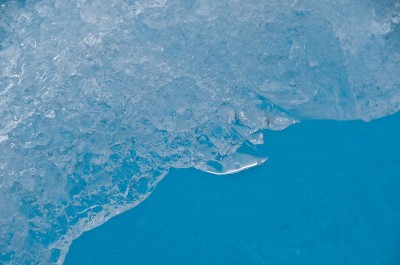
98, 99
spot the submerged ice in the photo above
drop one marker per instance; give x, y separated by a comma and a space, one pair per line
98, 99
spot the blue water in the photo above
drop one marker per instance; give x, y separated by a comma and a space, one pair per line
329, 194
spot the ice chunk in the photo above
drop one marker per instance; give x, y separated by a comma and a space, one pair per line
98, 99
231, 164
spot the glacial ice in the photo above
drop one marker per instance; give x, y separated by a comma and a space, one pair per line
98, 99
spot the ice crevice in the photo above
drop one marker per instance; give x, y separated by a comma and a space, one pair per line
99, 99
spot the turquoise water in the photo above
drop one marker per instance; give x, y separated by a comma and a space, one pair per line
329, 194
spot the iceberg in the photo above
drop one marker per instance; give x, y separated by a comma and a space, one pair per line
99, 99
